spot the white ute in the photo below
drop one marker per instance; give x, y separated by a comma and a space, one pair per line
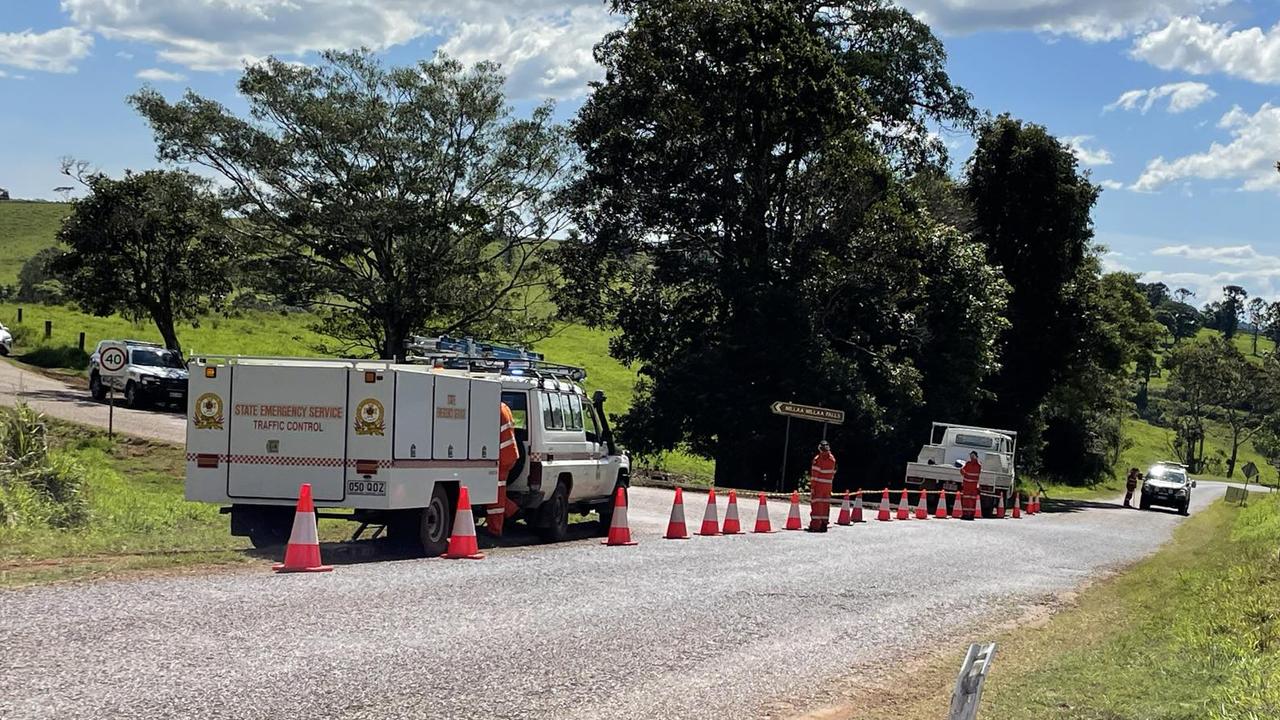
938, 465
395, 442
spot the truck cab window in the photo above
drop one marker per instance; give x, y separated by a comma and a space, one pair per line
575, 412
589, 423
551, 417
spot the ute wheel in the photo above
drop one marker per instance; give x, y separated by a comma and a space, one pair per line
554, 525
96, 389
1144, 503
436, 522
131, 397
1185, 509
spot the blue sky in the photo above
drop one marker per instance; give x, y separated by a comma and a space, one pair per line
1171, 104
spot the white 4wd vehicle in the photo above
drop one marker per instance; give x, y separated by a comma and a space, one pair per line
395, 442
1167, 485
143, 373
939, 462
6, 340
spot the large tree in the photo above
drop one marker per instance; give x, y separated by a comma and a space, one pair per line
401, 199
1032, 208
1258, 313
1224, 315
743, 208
148, 245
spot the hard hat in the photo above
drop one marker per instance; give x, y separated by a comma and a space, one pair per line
824, 445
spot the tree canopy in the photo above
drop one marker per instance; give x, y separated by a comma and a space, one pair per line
743, 204
397, 199
148, 245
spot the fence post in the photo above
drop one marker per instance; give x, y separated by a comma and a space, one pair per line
19, 316
82, 341
48, 329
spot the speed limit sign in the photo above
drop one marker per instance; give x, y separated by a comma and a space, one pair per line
112, 359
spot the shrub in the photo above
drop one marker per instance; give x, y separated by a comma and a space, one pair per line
22, 334
37, 280
57, 356
37, 486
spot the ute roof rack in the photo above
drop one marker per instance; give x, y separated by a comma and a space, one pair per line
471, 355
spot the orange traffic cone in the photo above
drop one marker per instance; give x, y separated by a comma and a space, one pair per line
940, 512
793, 515
710, 524
462, 543
303, 551
1000, 507
1033, 505
1017, 506
884, 507
956, 512
619, 531
676, 529
856, 513
844, 518
904, 507
731, 524
762, 517
922, 505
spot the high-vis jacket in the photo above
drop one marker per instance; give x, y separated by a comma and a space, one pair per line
508, 454
970, 474
821, 474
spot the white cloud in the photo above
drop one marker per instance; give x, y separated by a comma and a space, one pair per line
547, 56
1192, 45
1111, 185
1182, 96
1242, 265
1087, 19
1250, 156
544, 45
52, 51
1087, 155
158, 75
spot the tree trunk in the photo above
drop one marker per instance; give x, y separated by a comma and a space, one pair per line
1255, 342
1235, 449
164, 323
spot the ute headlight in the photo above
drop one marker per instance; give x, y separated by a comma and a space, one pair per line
150, 379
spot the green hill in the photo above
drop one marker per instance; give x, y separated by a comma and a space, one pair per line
26, 227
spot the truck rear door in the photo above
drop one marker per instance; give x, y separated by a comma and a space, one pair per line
288, 426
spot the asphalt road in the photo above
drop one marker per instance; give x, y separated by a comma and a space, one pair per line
58, 399
745, 626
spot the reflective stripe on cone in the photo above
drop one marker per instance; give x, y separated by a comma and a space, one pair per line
302, 554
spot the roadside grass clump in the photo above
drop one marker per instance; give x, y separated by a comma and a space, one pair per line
38, 486
56, 356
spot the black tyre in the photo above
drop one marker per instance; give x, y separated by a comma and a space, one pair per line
554, 524
97, 389
270, 536
436, 522
1144, 503
1185, 509
132, 396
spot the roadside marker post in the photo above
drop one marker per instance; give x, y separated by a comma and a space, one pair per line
973, 674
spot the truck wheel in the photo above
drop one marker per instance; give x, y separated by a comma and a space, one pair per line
555, 516
96, 388
605, 511
269, 536
436, 523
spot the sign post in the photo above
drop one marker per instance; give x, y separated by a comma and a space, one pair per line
826, 416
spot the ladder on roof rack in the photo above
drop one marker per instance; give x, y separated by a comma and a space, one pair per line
468, 354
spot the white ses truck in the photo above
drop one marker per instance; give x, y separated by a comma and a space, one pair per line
939, 462
395, 442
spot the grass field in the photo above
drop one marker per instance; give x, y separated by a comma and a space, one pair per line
25, 228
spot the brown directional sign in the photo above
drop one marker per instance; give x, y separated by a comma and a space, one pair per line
809, 412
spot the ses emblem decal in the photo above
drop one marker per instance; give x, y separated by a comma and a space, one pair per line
369, 417
208, 414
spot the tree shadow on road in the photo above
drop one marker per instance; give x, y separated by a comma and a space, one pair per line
1074, 506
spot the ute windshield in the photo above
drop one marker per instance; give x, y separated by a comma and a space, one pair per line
157, 358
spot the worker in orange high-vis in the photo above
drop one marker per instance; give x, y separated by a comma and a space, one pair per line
969, 494
821, 474
508, 455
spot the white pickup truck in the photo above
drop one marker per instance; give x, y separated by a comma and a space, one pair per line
394, 442
939, 462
